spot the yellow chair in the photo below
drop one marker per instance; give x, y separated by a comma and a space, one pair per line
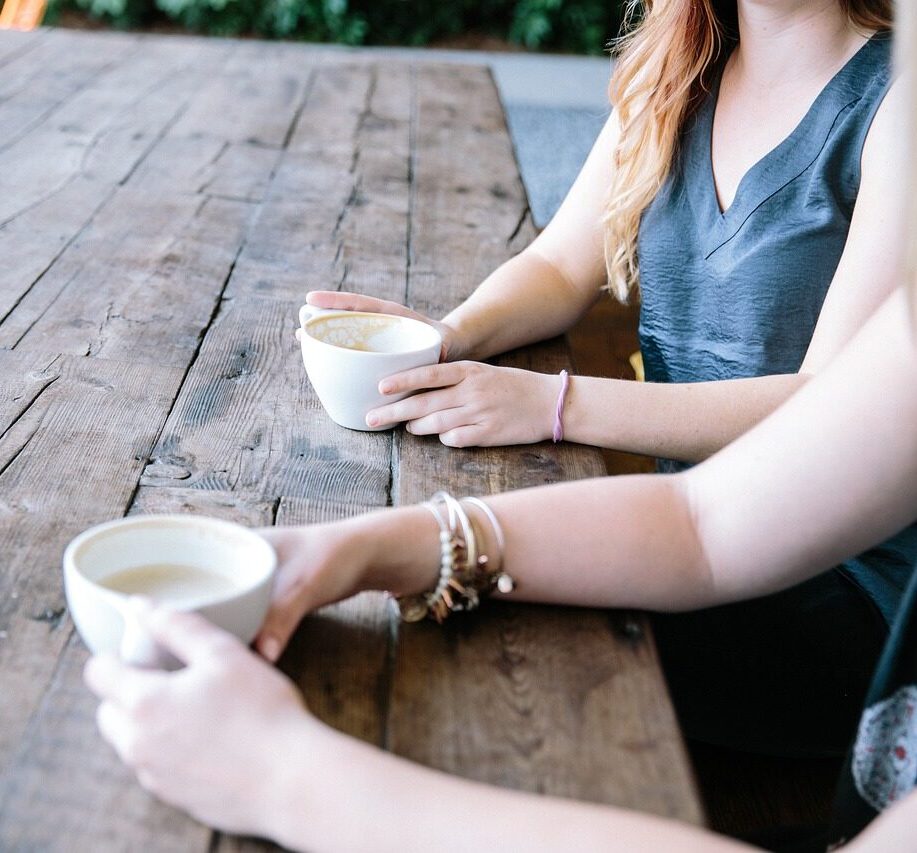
22, 14
636, 362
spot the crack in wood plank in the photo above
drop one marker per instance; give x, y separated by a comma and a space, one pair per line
21, 449
27, 408
523, 218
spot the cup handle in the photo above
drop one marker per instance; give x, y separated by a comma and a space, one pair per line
138, 648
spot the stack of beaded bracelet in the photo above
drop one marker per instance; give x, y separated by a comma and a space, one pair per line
465, 575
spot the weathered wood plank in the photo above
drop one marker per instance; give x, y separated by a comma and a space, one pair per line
231, 506
556, 700
338, 211
37, 158
210, 167
550, 700
140, 284
471, 211
64, 182
252, 99
247, 420
76, 461
15, 44
43, 79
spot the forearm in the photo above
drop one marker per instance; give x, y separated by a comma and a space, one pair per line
384, 803
527, 299
684, 421
615, 542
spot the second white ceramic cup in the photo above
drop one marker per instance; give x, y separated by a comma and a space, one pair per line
105, 619
347, 354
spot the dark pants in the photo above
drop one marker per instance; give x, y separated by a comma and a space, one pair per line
783, 675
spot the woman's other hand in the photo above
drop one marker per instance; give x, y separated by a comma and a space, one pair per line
470, 404
211, 738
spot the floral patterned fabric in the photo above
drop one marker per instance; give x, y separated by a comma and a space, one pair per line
882, 764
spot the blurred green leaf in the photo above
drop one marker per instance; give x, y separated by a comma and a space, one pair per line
578, 26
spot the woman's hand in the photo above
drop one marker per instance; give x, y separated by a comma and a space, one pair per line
392, 549
317, 565
472, 404
212, 738
344, 301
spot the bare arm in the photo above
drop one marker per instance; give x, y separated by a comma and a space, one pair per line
270, 769
546, 288
832, 472
384, 803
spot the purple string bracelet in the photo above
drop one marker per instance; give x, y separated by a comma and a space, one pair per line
559, 411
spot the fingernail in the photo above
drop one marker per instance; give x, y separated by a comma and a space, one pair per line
270, 648
372, 420
385, 388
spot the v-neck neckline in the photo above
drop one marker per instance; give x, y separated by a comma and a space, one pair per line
783, 163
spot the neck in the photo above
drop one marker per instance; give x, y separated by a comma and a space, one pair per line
783, 40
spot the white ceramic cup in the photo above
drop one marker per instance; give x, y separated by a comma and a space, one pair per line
105, 618
347, 354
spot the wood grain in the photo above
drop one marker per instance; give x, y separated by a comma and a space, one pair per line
62, 173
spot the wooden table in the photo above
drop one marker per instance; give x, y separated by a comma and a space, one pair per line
165, 203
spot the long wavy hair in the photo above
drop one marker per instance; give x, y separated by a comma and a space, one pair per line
665, 61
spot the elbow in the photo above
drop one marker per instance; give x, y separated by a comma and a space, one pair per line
700, 588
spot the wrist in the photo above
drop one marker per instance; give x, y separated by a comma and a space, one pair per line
289, 791
402, 550
315, 803
455, 344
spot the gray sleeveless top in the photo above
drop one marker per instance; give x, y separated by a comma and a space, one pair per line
737, 293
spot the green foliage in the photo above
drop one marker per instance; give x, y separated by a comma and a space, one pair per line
582, 26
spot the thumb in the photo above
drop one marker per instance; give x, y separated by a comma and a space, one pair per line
276, 631
286, 612
189, 636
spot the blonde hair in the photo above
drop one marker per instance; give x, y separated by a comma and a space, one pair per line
667, 58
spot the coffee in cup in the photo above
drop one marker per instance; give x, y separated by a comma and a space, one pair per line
172, 584
348, 353
222, 570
